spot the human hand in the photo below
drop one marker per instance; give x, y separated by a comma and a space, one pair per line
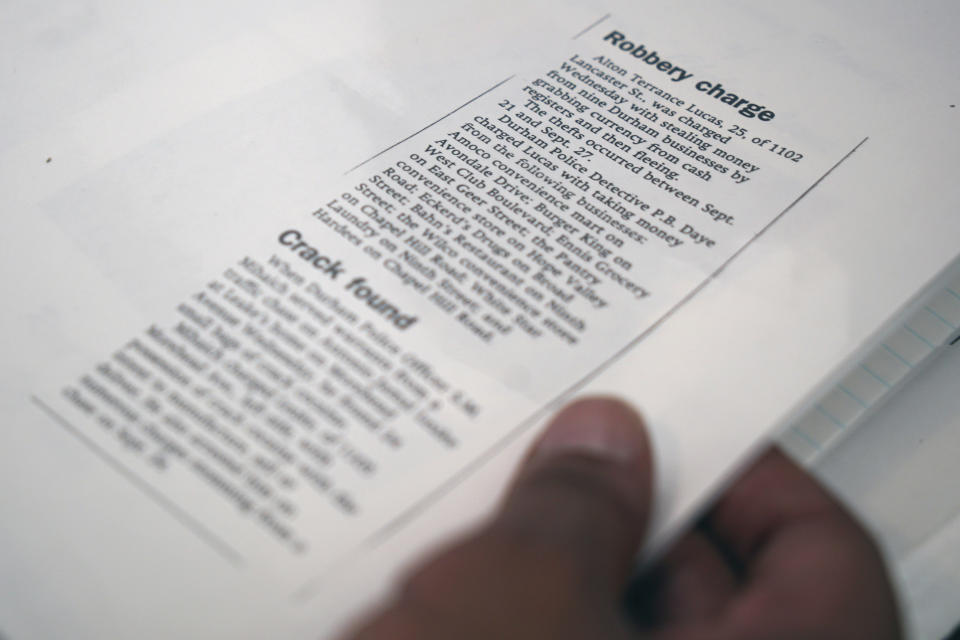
776, 557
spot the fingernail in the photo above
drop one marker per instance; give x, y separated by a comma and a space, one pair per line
597, 427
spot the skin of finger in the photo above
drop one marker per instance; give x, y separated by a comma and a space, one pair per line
811, 568
697, 583
771, 495
797, 595
592, 509
551, 563
824, 573
481, 589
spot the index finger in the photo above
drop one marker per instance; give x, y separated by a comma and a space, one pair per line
772, 496
807, 564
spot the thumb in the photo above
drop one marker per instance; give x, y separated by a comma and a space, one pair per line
553, 561
584, 493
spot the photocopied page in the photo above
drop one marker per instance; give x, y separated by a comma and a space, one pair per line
264, 324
